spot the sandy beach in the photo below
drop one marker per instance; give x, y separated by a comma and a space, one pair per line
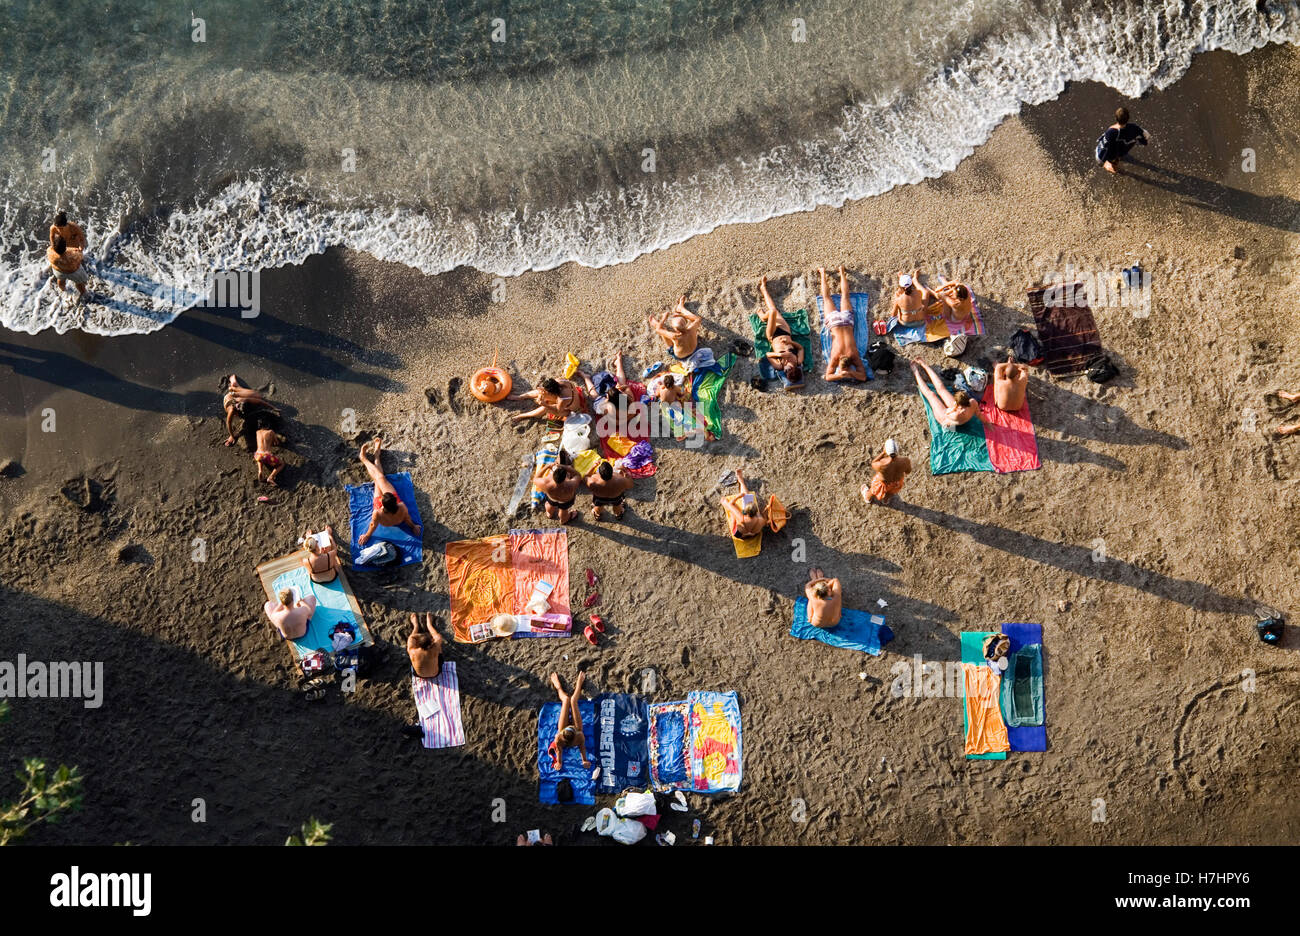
1169, 473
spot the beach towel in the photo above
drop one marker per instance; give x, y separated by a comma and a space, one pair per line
1028, 737
700, 360
905, 334
985, 731
1012, 445
546, 458
857, 630
332, 608
777, 516
715, 743
622, 742
535, 556
437, 702
361, 498
1067, 332
571, 769
670, 767
960, 449
972, 655
799, 330
861, 329
971, 328
706, 391
480, 582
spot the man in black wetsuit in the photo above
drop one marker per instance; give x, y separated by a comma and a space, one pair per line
1119, 138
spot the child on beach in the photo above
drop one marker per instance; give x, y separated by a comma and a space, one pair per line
1119, 138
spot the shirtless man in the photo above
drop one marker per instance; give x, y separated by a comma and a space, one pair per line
608, 489
268, 439
66, 264
950, 410
240, 399
825, 600
560, 487
744, 518
290, 617
424, 647
1010, 380
388, 509
891, 469
845, 360
787, 355
680, 329
568, 733
71, 233
911, 299
958, 304
556, 399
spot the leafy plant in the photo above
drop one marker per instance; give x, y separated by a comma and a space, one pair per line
314, 832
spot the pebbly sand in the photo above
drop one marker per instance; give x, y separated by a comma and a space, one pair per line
1171, 466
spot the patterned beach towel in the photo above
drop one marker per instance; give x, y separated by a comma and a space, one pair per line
480, 582
437, 702
535, 556
1066, 328
715, 748
706, 391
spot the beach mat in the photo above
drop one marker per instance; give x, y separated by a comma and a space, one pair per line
1012, 445
960, 449
480, 582
861, 302
335, 604
571, 769
669, 732
622, 742
540, 555
857, 630
972, 654
437, 704
706, 391
714, 750
1029, 737
1067, 333
905, 334
799, 330
361, 505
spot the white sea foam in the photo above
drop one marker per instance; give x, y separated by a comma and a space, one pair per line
878, 145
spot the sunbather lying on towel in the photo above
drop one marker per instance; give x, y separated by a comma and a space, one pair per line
911, 299
555, 398
560, 488
608, 489
958, 304
388, 507
825, 600
614, 394
787, 355
290, 617
424, 647
240, 399
263, 457
845, 360
322, 562
568, 732
679, 328
891, 469
744, 518
1010, 381
950, 411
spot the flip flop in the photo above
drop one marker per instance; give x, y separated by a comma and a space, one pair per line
590, 634
598, 624
592, 600
592, 578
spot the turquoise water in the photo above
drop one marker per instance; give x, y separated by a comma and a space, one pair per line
508, 136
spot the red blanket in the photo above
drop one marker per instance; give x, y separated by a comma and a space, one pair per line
1010, 437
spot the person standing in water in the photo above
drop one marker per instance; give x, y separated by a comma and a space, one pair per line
1119, 138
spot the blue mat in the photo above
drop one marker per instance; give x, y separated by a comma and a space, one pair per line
906, 334
584, 789
861, 330
621, 742
1027, 738
331, 608
361, 503
857, 630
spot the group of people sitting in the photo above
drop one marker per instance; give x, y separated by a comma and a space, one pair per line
559, 486
953, 410
914, 302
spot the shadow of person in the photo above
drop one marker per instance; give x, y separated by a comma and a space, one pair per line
1057, 407
1276, 211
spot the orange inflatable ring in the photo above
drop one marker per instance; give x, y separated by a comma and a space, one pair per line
490, 384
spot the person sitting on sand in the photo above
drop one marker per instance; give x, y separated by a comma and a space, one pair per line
290, 617
1118, 139
243, 401
321, 562
71, 233
424, 647
1010, 382
264, 458
891, 470
66, 264
825, 600
560, 488
608, 489
680, 329
743, 517
911, 300
556, 399
568, 732
845, 361
614, 394
787, 355
950, 410
388, 509
958, 302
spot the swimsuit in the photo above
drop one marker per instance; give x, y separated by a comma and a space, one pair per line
837, 318
379, 503
880, 488
607, 501
560, 506
267, 459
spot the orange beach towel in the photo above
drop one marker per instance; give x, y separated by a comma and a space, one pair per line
480, 581
986, 733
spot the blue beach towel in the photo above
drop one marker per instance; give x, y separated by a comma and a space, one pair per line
861, 329
905, 334
960, 449
1034, 737
621, 739
857, 630
584, 789
361, 498
332, 608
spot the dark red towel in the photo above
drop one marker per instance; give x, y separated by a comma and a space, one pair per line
1066, 328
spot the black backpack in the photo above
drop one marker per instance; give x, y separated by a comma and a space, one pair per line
1102, 369
1025, 345
1270, 630
880, 357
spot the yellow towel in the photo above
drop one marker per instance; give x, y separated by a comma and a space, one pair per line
586, 460
748, 548
936, 329
986, 733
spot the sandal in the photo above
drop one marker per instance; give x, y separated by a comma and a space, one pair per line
590, 634
592, 600
598, 624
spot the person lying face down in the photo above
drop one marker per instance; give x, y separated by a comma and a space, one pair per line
290, 617
825, 600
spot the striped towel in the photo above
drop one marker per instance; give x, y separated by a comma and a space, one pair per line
437, 701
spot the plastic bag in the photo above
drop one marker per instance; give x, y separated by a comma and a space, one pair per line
636, 804
624, 831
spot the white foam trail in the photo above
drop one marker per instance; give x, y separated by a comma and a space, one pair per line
879, 145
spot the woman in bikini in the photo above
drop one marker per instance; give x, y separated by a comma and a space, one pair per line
322, 562
556, 399
950, 411
912, 301
845, 360
264, 458
568, 732
744, 519
787, 355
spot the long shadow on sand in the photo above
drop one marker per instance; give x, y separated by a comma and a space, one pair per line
1277, 211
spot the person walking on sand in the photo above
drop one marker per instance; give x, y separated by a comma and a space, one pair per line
950, 410
424, 647
891, 470
1010, 382
1119, 138
680, 329
845, 360
560, 488
825, 599
290, 616
388, 509
608, 489
568, 733
66, 263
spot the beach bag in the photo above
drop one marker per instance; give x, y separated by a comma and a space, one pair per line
881, 357
636, 804
1025, 346
624, 831
955, 346
976, 379
1102, 369
1270, 630
379, 555
315, 664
